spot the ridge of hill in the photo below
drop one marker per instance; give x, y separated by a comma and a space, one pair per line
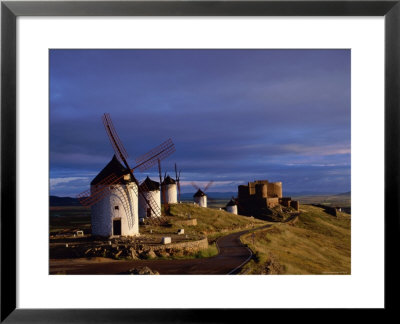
314, 243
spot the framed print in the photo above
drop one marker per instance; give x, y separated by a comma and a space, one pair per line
226, 148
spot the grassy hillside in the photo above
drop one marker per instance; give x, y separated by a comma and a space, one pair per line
317, 243
211, 222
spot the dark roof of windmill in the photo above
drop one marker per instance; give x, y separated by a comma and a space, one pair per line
232, 202
150, 185
168, 181
113, 167
199, 193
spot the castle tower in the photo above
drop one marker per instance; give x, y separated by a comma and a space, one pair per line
200, 198
169, 187
275, 189
117, 212
261, 190
231, 207
150, 189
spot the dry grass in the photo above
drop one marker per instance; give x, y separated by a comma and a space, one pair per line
317, 243
211, 222
343, 200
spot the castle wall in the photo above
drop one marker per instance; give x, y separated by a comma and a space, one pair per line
143, 208
252, 188
120, 202
272, 202
261, 182
275, 189
285, 201
243, 192
261, 190
260, 194
295, 204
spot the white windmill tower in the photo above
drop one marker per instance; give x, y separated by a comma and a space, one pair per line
151, 191
170, 189
117, 212
113, 194
231, 207
200, 197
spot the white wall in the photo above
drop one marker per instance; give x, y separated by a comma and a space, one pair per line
171, 195
201, 201
103, 212
143, 205
232, 209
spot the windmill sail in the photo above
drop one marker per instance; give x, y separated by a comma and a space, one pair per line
103, 187
150, 200
114, 138
150, 159
91, 196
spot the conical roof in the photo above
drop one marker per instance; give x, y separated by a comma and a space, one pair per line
232, 202
113, 167
149, 185
168, 181
199, 193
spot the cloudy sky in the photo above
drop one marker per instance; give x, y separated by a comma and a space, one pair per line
234, 115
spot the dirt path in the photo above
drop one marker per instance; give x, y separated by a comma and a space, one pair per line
232, 256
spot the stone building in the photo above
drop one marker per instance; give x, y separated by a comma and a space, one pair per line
116, 213
255, 196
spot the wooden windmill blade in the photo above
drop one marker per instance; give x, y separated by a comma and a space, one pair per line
126, 203
195, 185
177, 179
121, 153
162, 188
91, 196
150, 201
114, 138
150, 159
101, 189
208, 185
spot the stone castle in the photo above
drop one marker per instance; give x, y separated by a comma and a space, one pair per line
261, 194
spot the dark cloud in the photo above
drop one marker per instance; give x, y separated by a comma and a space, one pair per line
234, 115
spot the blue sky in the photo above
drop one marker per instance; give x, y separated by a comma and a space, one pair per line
234, 115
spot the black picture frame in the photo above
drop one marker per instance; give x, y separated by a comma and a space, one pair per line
10, 10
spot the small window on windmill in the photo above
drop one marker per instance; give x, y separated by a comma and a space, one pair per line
116, 207
127, 177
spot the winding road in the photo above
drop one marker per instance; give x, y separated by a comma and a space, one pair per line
232, 256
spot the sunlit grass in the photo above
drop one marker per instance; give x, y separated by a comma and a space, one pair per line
317, 243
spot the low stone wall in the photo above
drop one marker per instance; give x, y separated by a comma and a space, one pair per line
193, 246
127, 251
187, 222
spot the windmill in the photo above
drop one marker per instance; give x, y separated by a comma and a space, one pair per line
177, 180
200, 196
232, 206
162, 187
103, 187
